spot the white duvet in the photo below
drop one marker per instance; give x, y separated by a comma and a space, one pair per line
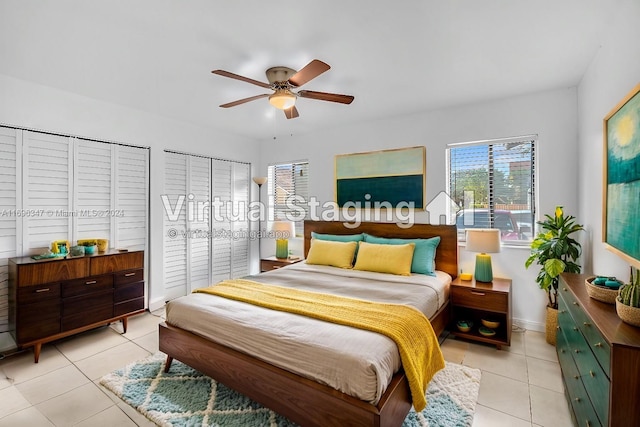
356, 362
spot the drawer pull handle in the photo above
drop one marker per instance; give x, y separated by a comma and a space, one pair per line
598, 344
562, 350
576, 377
558, 327
91, 282
587, 324
574, 303
592, 374
564, 289
478, 293
577, 399
42, 290
129, 274
588, 423
575, 328
576, 350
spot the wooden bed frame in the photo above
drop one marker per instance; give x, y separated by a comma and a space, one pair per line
302, 400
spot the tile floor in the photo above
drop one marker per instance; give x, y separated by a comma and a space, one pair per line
521, 385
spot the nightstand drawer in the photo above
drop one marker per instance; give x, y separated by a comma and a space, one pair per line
480, 298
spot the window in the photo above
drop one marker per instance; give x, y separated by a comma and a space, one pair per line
288, 192
493, 183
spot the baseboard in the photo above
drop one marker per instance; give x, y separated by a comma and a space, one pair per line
529, 325
156, 304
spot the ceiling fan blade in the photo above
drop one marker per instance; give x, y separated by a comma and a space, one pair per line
291, 113
324, 96
242, 101
310, 71
241, 78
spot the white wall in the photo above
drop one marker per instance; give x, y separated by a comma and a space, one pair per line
552, 115
614, 71
29, 105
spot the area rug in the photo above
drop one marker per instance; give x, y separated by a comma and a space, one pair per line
186, 397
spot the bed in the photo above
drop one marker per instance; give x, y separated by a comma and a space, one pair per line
301, 397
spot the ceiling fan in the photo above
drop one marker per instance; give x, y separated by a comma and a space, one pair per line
282, 80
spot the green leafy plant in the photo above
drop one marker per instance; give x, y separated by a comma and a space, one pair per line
555, 251
629, 293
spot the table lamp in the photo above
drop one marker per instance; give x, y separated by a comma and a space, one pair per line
283, 231
485, 241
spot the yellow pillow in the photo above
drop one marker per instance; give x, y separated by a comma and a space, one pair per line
394, 259
327, 252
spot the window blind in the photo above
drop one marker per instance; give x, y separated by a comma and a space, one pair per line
8, 222
493, 183
288, 193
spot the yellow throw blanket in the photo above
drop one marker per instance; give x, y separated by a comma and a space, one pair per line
408, 327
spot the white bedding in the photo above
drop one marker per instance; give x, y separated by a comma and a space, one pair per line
356, 362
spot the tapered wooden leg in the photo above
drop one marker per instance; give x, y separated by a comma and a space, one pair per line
124, 324
36, 352
167, 364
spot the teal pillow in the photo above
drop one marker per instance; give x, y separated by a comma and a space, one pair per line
424, 255
338, 237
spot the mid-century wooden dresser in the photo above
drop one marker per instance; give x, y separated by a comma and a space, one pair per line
600, 358
55, 298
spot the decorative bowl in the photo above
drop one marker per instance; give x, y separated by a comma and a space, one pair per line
90, 250
491, 324
600, 293
484, 331
464, 325
76, 251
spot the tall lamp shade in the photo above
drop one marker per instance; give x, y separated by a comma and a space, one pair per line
484, 241
283, 230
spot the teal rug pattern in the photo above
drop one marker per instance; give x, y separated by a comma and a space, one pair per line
185, 397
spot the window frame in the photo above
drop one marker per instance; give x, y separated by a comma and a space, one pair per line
275, 209
492, 205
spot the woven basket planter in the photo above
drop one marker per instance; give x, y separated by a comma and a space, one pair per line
599, 293
628, 314
551, 325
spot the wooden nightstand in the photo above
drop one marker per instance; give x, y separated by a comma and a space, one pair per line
273, 263
474, 301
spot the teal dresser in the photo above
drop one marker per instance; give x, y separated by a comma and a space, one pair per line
599, 356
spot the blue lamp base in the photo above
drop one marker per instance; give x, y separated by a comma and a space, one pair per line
484, 272
282, 248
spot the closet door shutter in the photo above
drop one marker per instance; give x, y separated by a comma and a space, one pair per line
130, 204
93, 193
198, 221
221, 223
240, 225
175, 245
47, 183
8, 220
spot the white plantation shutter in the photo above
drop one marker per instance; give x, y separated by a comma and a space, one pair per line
8, 221
175, 244
93, 181
221, 242
210, 244
285, 181
199, 185
48, 186
130, 200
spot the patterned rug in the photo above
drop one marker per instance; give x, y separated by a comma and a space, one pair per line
186, 397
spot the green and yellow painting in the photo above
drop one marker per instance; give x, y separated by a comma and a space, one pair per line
623, 178
390, 176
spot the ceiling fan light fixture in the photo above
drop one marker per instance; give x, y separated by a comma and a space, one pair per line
282, 99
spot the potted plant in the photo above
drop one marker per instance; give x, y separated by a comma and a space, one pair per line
556, 252
628, 300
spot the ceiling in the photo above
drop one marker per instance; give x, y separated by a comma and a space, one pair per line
396, 58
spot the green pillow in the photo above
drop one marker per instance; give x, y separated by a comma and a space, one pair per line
424, 255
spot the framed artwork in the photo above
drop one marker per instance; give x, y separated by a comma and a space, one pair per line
621, 186
391, 176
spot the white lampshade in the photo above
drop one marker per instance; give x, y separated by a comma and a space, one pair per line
282, 99
284, 229
484, 240
260, 180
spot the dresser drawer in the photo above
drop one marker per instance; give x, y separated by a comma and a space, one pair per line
95, 315
480, 298
30, 294
87, 303
131, 291
87, 285
128, 306
126, 277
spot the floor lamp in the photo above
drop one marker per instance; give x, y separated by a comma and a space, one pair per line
260, 180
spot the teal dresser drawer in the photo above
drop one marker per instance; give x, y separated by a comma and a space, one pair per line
594, 338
